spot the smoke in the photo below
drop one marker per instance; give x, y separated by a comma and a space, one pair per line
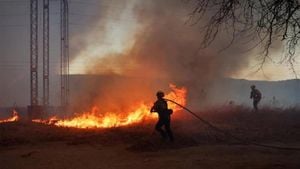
164, 47
100, 35
147, 40
112, 93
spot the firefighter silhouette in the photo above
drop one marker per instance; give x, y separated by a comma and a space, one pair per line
164, 116
255, 95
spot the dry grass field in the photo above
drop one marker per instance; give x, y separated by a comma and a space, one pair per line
26, 145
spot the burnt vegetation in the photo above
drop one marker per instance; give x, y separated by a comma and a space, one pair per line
278, 127
265, 21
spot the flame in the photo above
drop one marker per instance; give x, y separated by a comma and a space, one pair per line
94, 119
52, 120
140, 113
178, 95
15, 117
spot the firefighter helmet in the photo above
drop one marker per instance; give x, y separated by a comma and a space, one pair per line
160, 94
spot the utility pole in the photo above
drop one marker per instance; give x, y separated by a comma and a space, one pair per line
34, 52
64, 67
46, 53
34, 109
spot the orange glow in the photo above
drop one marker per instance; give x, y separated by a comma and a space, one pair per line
52, 120
15, 117
139, 113
178, 95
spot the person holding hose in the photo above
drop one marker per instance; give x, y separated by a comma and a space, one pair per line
164, 116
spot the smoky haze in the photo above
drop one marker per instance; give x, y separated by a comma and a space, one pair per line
164, 46
15, 52
15, 45
159, 49
166, 49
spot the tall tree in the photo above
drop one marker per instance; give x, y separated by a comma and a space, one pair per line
266, 20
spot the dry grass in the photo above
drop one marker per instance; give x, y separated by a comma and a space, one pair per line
29, 145
268, 125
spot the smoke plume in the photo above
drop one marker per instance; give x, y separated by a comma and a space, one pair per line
164, 48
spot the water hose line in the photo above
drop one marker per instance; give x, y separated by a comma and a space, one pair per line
246, 142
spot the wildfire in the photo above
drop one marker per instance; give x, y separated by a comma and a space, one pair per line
52, 120
178, 95
96, 119
15, 117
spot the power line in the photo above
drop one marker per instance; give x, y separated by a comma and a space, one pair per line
12, 2
13, 25
16, 14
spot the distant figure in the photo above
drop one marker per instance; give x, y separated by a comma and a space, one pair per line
256, 96
164, 116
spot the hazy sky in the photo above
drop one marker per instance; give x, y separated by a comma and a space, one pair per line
100, 29
118, 29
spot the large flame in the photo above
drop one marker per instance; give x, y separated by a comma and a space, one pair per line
178, 95
140, 113
15, 117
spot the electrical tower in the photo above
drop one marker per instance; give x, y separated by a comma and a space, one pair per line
46, 53
64, 53
34, 109
34, 52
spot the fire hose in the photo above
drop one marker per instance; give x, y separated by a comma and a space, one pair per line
243, 141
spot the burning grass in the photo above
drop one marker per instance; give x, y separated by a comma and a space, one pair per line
135, 127
13, 118
271, 126
138, 113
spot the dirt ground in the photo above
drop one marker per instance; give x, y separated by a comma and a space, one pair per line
26, 145
58, 155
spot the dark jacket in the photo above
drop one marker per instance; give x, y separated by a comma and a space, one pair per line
255, 95
161, 107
